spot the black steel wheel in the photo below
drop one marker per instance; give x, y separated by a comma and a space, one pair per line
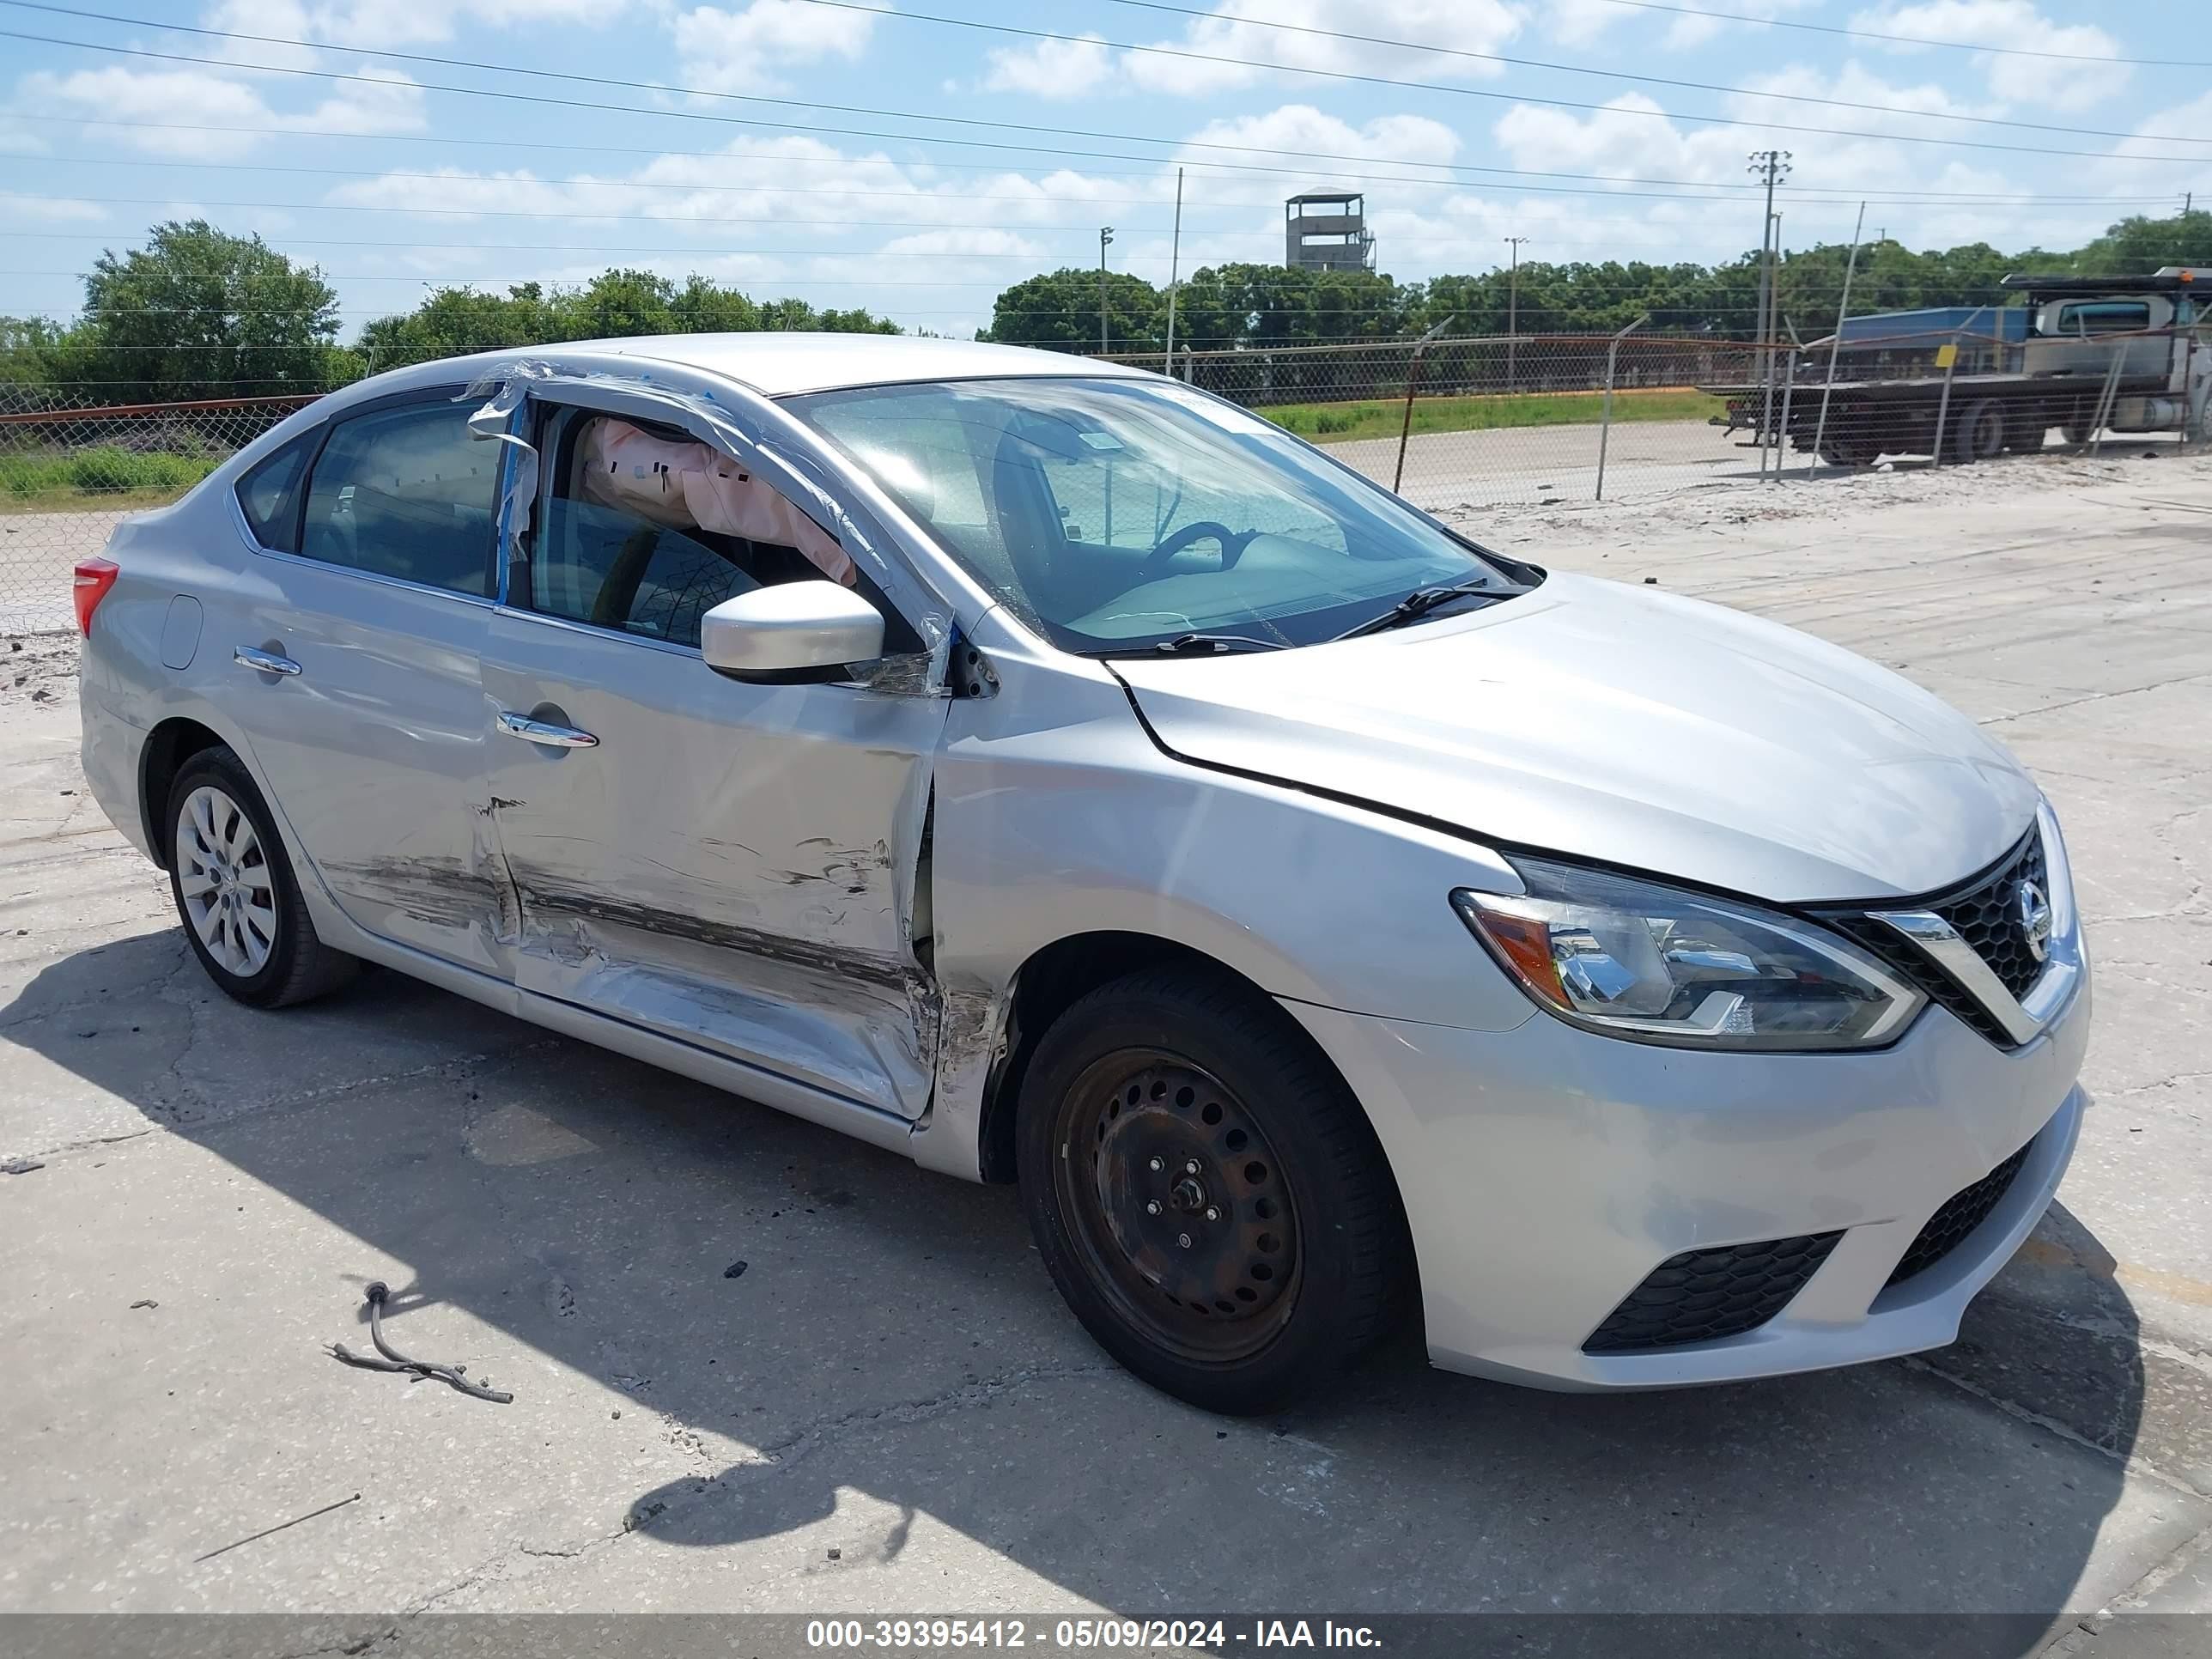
1978, 433
1205, 1193
1180, 1205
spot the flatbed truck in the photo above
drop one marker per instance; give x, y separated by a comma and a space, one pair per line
2135, 351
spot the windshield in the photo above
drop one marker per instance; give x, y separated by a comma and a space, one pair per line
1117, 515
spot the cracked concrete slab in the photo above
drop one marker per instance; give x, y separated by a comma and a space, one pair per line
758, 1366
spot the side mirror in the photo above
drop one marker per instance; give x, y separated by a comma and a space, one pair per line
794, 630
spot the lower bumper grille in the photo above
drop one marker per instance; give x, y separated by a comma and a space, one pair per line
1701, 1295
1961, 1213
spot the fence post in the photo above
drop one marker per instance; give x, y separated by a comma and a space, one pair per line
1605, 419
1412, 380
1789, 386
2106, 399
1836, 345
1943, 404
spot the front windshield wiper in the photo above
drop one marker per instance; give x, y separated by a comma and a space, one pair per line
1422, 600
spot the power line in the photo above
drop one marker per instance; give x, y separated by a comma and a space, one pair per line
695, 252
1811, 193
1895, 39
1414, 46
1178, 52
689, 187
699, 115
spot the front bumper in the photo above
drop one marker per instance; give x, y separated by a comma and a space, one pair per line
1546, 1171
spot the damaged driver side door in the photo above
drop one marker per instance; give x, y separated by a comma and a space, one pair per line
732, 865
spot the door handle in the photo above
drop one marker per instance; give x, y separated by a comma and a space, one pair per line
264, 662
544, 732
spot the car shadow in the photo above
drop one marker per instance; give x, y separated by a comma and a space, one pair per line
891, 1342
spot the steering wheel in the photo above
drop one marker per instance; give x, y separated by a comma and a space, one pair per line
1232, 547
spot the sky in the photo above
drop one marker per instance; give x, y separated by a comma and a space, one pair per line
916, 156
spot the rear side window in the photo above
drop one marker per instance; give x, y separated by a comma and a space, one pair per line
2105, 317
269, 495
406, 492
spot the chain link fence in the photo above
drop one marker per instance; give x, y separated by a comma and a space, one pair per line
72, 465
1452, 424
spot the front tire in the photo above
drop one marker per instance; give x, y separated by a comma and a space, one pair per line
1206, 1194
235, 892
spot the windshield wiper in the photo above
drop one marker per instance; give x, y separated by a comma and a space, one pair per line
1422, 600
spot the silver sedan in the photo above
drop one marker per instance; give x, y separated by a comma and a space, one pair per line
1066, 778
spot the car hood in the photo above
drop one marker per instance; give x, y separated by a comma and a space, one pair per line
1614, 724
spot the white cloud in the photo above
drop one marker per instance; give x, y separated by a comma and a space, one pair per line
1474, 26
1695, 26
1296, 130
1579, 22
741, 50
2130, 170
1892, 108
189, 108
1820, 198
2048, 84
991, 242
1050, 68
41, 210
374, 23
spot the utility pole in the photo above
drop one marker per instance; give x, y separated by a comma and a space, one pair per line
1175, 264
1105, 235
1513, 310
1771, 167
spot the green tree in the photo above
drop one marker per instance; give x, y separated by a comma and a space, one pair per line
1059, 311
616, 304
197, 313
36, 352
2139, 244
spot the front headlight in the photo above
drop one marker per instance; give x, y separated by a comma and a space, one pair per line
1660, 964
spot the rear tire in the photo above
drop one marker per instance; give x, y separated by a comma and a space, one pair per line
1206, 1194
235, 892
1978, 434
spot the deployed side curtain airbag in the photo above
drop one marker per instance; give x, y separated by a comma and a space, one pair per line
687, 486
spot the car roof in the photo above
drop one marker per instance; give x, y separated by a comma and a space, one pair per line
778, 365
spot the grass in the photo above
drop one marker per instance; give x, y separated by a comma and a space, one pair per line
103, 477
1381, 418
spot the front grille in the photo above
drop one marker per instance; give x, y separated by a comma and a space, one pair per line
1701, 1295
1988, 916
1961, 1213
1986, 912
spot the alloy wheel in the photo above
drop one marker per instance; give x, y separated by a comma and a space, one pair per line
224, 880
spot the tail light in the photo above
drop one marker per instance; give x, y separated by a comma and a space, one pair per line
94, 578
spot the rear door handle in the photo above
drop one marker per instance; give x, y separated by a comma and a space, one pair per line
264, 662
544, 732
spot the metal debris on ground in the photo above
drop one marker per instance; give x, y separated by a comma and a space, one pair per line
21, 1165
279, 1527
736, 1270
393, 1360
